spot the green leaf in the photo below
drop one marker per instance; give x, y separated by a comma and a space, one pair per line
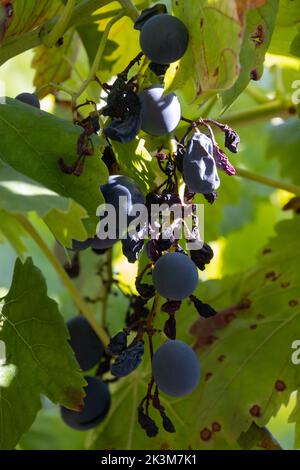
211, 62
295, 418
284, 144
245, 354
253, 50
49, 432
257, 437
295, 46
12, 231
21, 194
38, 357
55, 64
67, 226
91, 37
136, 162
33, 141
289, 13
286, 27
247, 347
25, 16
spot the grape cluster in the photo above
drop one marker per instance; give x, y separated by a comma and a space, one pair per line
137, 102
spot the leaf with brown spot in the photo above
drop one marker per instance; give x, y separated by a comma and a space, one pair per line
259, 27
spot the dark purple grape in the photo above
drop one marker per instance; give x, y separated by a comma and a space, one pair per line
164, 39
99, 244
176, 368
175, 276
87, 346
122, 186
80, 246
96, 407
117, 344
159, 69
30, 99
123, 130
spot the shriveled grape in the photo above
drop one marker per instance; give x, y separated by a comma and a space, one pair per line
199, 167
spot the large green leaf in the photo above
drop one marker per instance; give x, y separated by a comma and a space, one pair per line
254, 47
284, 144
245, 354
55, 64
21, 194
38, 357
91, 37
33, 141
246, 350
20, 16
211, 62
286, 27
135, 161
67, 226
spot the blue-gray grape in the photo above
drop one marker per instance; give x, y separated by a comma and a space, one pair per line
29, 98
176, 368
160, 114
175, 276
120, 185
164, 39
199, 167
96, 406
87, 346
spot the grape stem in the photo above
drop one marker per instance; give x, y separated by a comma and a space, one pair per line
60, 27
290, 188
107, 286
275, 108
99, 55
130, 9
78, 300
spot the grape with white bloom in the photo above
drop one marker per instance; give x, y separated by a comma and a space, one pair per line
176, 368
175, 276
160, 114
